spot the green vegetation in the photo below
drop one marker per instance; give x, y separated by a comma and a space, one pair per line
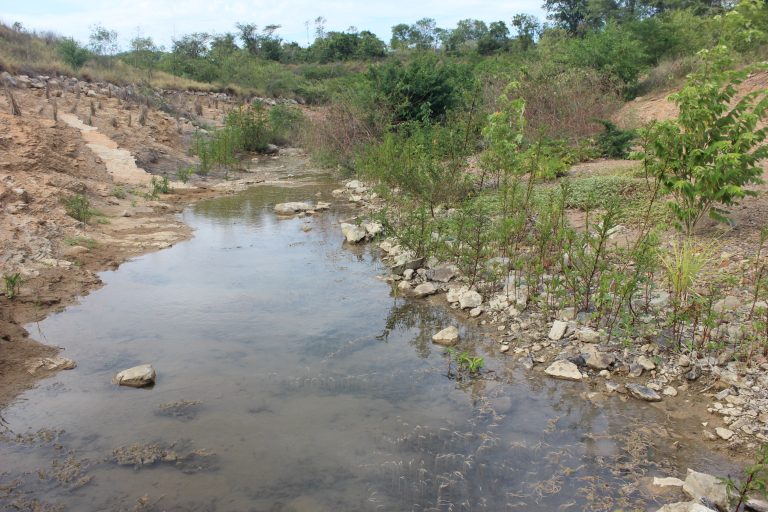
12, 284
78, 207
707, 156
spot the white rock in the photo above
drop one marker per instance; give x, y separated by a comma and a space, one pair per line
588, 335
291, 208
352, 233
447, 337
424, 289
724, 433
698, 485
355, 184
687, 506
729, 303
565, 370
475, 312
136, 377
667, 482
646, 363
408, 274
498, 302
669, 391
454, 294
470, 299
55, 363
373, 228
558, 330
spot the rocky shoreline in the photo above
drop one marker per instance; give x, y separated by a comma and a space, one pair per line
564, 346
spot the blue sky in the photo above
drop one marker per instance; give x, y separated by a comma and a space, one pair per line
162, 19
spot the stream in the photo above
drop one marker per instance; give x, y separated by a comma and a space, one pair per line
290, 379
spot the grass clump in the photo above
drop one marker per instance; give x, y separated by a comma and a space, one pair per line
78, 207
595, 192
82, 241
12, 284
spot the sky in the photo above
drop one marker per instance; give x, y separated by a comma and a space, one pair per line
165, 19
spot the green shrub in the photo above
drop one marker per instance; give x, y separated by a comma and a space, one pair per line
72, 53
12, 283
78, 207
614, 142
708, 155
595, 192
425, 89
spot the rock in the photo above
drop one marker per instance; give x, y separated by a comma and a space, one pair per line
291, 208
353, 234
475, 312
271, 149
567, 314
588, 335
729, 303
684, 361
320, 206
442, 274
52, 364
408, 274
498, 302
136, 377
701, 485
724, 433
694, 374
373, 228
424, 289
558, 330
470, 299
598, 360
504, 349
642, 392
687, 506
669, 391
412, 264
354, 184
564, 370
646, 363
667, 482
454, 294
447, 337
403, 286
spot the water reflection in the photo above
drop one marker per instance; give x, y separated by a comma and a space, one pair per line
313, 389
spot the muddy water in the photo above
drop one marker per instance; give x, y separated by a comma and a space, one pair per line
289, 379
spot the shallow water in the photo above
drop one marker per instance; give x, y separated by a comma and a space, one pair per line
307, 387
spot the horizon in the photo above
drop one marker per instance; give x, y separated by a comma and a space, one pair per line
169, 20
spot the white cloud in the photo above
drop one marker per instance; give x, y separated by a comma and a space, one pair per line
164, 19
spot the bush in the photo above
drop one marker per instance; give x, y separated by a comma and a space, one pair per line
425, 89
614, 142
595, 192
72, 53
707, 156
78, 207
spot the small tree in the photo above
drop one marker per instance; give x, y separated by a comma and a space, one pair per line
708, 155
72, 53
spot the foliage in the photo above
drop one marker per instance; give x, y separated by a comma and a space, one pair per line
78, 207
596, 192
72, 53
614, 142
707, 156
424, 89
12, 284
755, 481
159, 186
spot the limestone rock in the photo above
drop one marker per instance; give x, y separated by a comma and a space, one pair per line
598, 360
442, 274
667, 482
646, 363
55, 363
447, 337
136, 377
291, 208
588, 335
470, 299
565, 370
353, 234
643, 392
701, 485
685, 506
724, 433
424, 289
373, 228
558, 330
